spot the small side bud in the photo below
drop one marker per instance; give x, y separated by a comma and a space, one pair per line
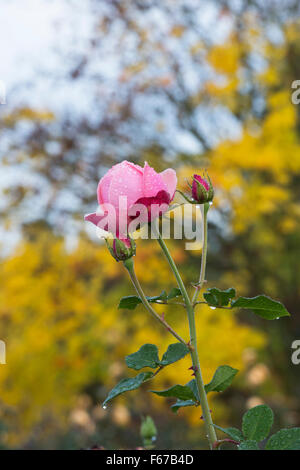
202, 189
148, 432
122, 249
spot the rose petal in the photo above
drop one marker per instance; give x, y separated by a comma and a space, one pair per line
94, 218
195, 189
170, 179
135, 166
155, 206
103, 187
153, 182
127, 180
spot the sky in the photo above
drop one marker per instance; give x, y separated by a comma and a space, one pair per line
25, 31
32, 33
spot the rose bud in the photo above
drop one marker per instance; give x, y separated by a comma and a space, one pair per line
148, 432
124, 189
202, 189
122, 249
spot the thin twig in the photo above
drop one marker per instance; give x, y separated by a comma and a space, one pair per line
142, 296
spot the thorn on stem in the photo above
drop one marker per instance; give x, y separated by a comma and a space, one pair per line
196, 286
201, 417
194, 369
199, 285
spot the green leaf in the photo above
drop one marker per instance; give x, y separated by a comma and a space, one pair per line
175, 352
181, 404
262, 306
146, 356
217, 297
174, 292
248, 445
193, 386
234, 433
285, 439
127, 385
257, 423
182, 392
130, 302
222, 378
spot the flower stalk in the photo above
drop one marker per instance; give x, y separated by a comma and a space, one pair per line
129, 265
209, 426
204, 211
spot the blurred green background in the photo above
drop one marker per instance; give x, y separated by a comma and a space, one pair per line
185, 84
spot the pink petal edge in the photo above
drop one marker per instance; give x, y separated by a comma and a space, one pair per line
152, 182
170, 179
94, 218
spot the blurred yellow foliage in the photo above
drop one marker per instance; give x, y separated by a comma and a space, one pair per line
225, 58
28, 114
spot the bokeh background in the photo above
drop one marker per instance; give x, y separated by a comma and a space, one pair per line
186, 84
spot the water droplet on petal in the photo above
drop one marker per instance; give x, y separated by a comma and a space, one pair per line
213, 308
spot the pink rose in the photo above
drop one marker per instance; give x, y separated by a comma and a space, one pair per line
127, 192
